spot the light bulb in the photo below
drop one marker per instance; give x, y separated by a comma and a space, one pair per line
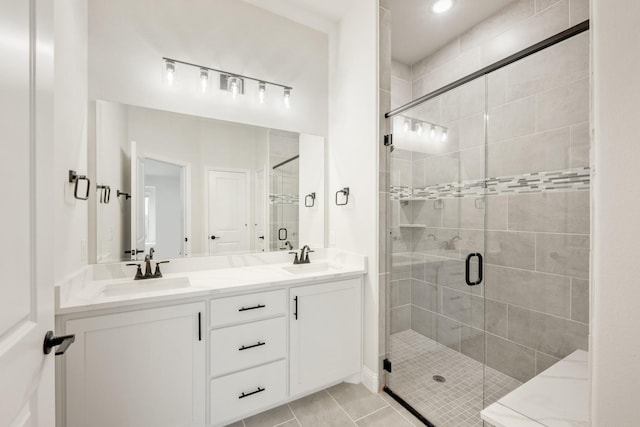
420, 128
234, 87
262, 90
287, 98
432, 133
441, 6
445, 136
204, 79
407, 125
170, 68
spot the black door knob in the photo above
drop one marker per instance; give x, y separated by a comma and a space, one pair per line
214, 237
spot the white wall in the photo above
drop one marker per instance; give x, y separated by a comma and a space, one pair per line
353, 151
127, 41
70, 136
311, 219
112, 148
615, 344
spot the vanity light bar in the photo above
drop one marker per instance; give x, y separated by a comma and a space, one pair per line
420, 127
232, 82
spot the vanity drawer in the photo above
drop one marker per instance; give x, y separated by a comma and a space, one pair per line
243, 308
242, 346
236, 395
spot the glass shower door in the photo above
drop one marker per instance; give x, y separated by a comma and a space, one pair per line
537, 237
437, 220
284, 205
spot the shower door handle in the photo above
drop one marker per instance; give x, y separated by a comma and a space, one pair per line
280, 233
467, 270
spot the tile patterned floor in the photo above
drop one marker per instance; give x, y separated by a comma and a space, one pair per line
344, 405
454, 403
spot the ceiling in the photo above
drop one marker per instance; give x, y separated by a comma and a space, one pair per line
319, 15
416, 32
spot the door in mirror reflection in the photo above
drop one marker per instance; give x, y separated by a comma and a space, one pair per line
228, 213
164, 208
159, 207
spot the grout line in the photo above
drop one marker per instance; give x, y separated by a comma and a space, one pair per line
571, 298
295, 417
377, 410
340, 406
285, 422
401, 414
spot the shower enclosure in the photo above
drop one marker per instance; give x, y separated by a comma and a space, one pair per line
284, 204
488, 233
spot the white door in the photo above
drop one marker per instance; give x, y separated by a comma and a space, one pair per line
260, 207
138, 229
139, 368
228, 213
325, 334
26, 287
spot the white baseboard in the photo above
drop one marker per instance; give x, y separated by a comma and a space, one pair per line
370, 380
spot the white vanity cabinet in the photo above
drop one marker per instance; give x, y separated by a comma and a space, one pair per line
137, 368
325, 333
210, 361
248, 350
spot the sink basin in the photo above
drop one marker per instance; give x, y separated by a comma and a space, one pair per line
308, 268
140, 286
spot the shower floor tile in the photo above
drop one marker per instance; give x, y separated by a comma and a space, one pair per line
457, 402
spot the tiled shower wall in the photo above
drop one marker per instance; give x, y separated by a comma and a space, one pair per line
517, 26
537, 243
284, 183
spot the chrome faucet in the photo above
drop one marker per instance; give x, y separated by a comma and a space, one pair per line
147, 271
304, 255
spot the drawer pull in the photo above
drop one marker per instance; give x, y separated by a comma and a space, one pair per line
252, 308
259, 390
251, 346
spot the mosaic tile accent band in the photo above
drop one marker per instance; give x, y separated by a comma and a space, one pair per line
289, 199
537, 182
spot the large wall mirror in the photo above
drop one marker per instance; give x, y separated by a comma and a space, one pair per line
184, 185
186, 166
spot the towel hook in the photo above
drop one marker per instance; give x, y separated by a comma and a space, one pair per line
74, 178
311, 196
105, 193
345, 192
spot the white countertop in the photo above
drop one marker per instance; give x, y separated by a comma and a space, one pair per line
90, 290
557, 397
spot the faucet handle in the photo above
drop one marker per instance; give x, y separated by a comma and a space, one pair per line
157, 273
138, 275
295, 260
306, 257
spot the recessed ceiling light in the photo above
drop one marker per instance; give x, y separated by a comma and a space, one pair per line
441, 6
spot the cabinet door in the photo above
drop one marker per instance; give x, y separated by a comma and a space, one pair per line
137, 369
326, 334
